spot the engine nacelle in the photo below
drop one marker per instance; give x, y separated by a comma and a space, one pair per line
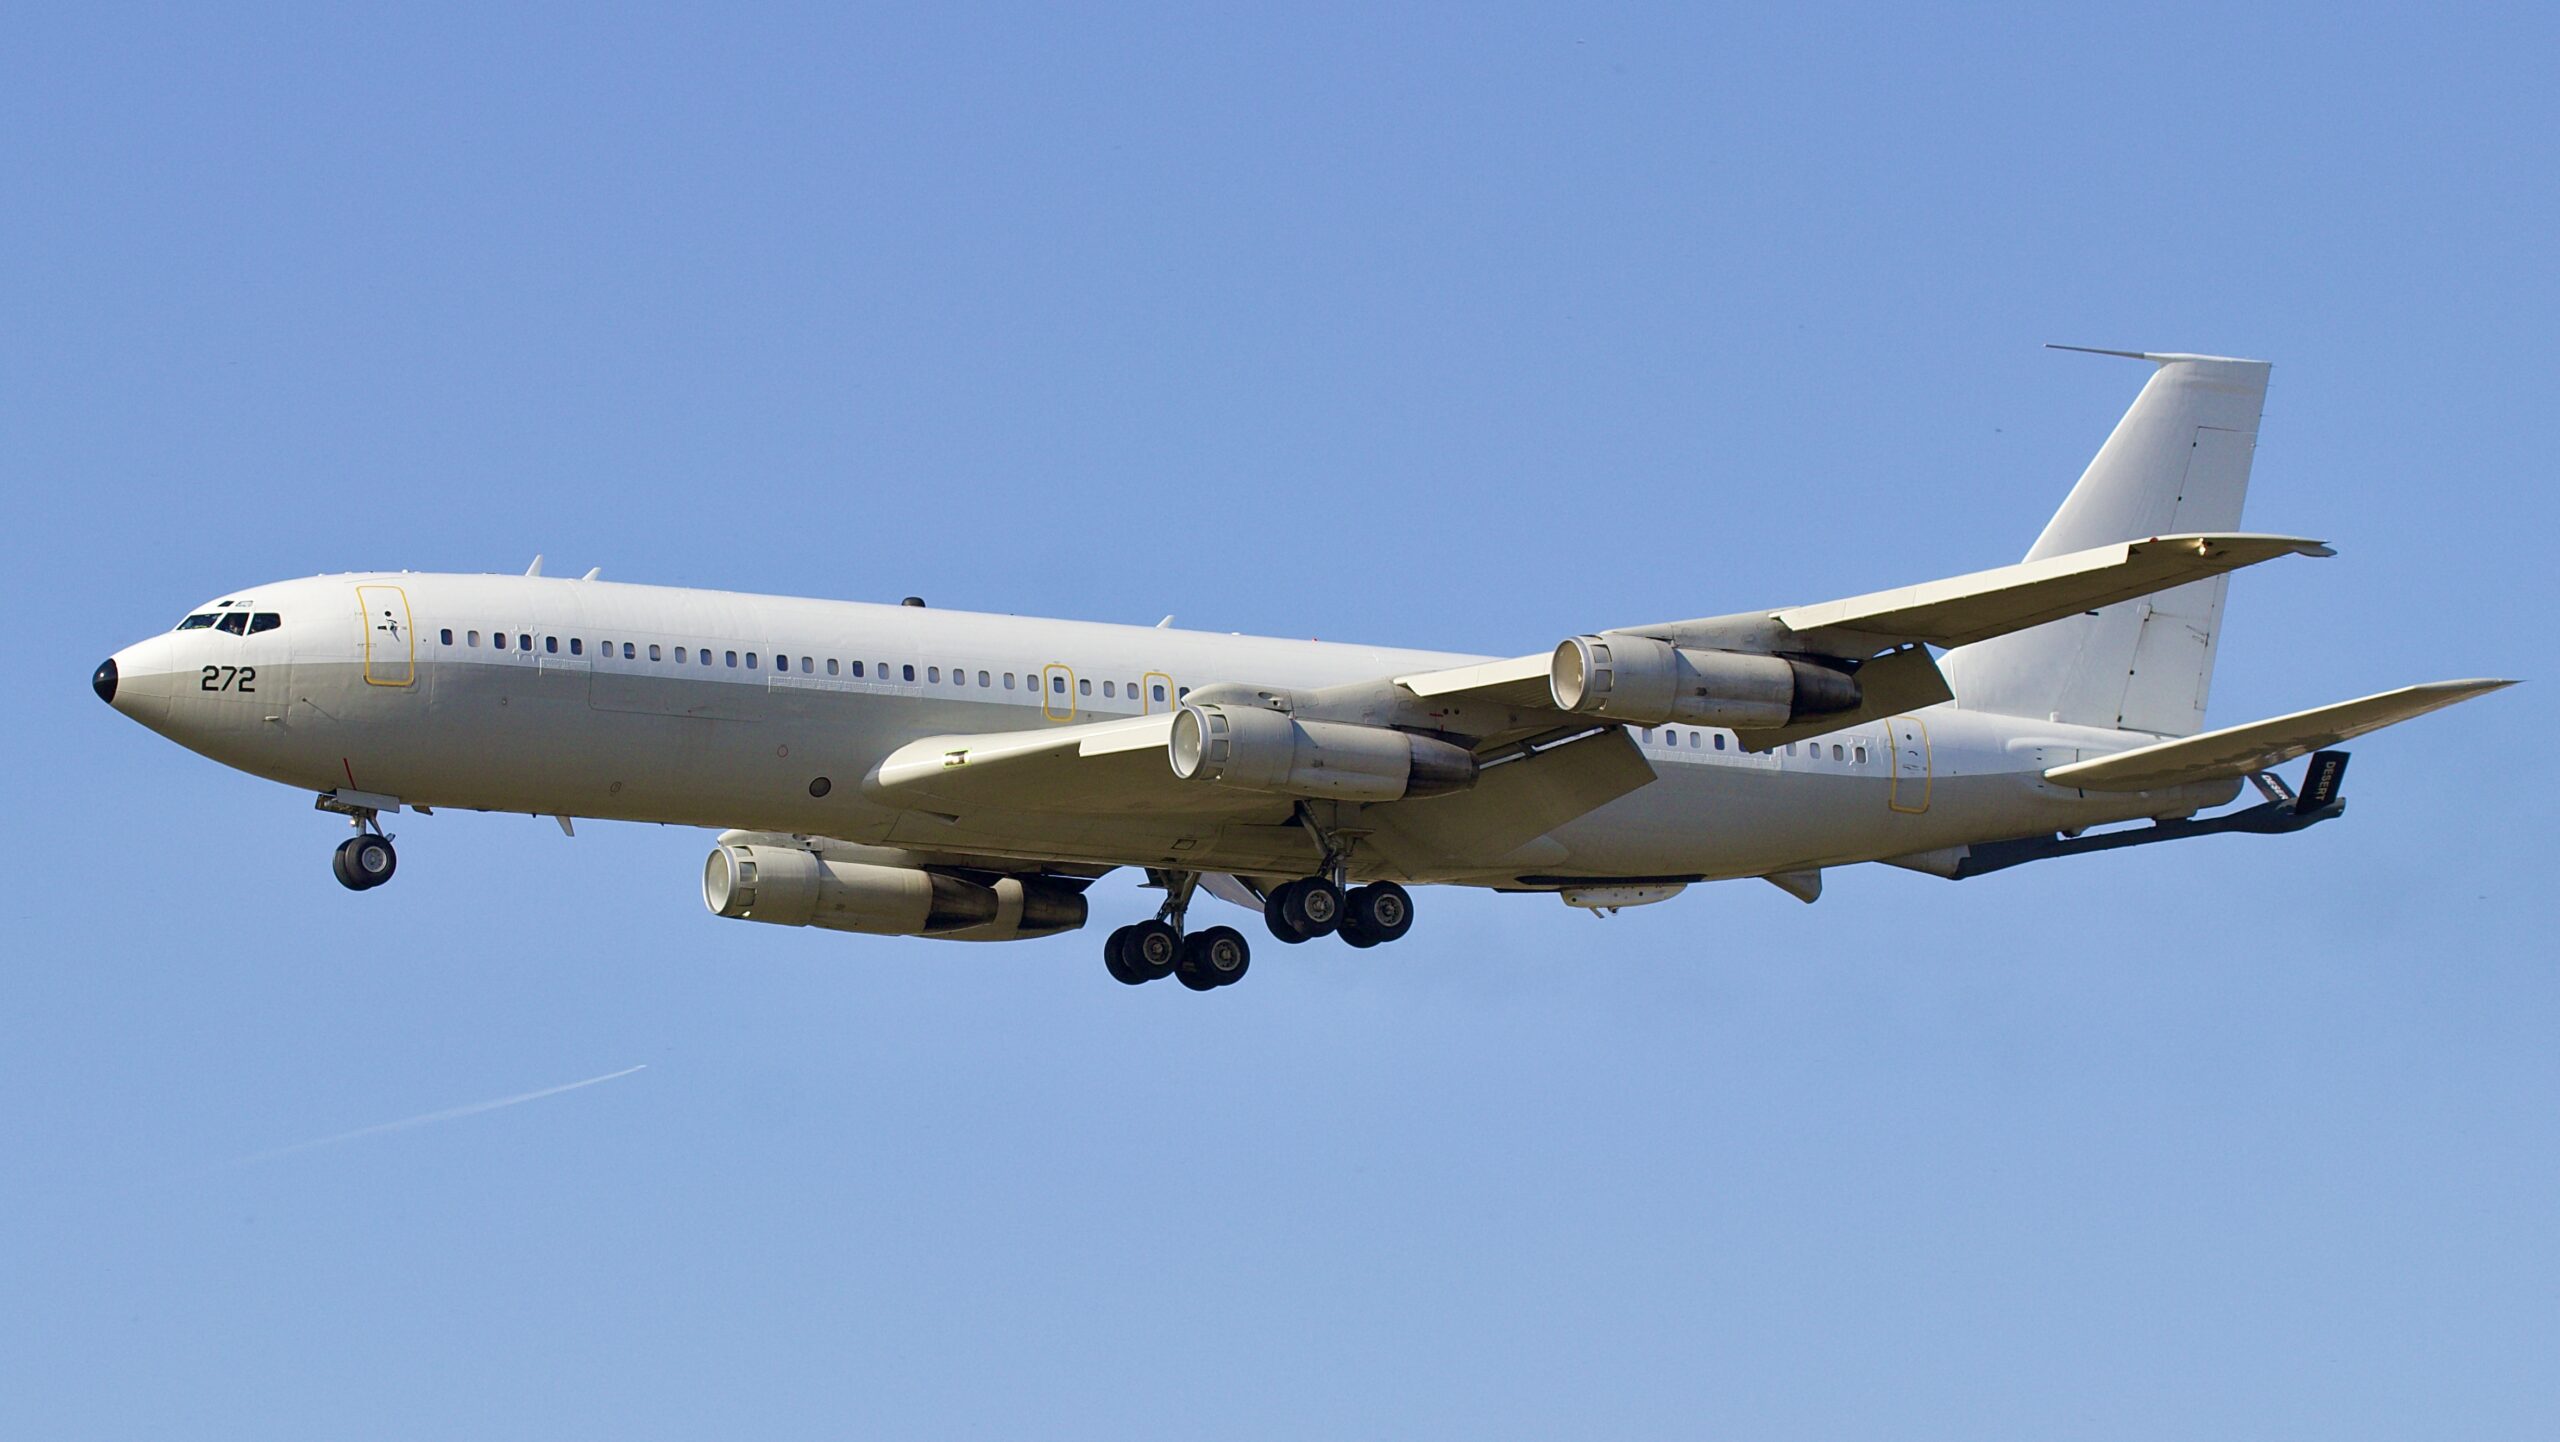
787, 886
1645, 682
1256, 749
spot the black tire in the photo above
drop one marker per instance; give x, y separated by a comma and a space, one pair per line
1384, 910
1215, 957
1275, 914
1314, 906
369, 862
1152, 949
1353, 933
338, 862
1111, 954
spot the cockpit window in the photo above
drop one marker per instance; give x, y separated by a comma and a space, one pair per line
264, 621
234, 622
197, 622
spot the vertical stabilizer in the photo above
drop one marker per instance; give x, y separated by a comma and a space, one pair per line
2178, 461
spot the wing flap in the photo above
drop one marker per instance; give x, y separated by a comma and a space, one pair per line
1116, 766
2240, 750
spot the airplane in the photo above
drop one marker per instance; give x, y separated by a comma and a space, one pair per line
910, 771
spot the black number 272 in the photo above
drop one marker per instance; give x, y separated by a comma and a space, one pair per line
230, 678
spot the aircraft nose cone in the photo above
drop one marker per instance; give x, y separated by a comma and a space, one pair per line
104, 681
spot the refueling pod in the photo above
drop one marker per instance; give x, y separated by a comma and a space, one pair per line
1254, 749
788, 886
1646, 682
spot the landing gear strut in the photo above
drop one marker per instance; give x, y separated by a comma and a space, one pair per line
1148, 951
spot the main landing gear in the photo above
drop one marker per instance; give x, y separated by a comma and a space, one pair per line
1217, 956
1152, 950
1364, 916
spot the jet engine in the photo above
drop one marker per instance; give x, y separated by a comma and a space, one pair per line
787, 886
1254, 749
1645, 682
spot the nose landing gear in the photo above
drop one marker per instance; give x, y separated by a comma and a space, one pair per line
364, 860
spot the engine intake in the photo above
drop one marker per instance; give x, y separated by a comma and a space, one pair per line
1254, 749
1646, 682
787, 886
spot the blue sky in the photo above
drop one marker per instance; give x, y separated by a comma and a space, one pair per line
1465, 327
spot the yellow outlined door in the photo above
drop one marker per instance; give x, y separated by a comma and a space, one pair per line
1057, 692
390, 647
1911, 770
1160, 692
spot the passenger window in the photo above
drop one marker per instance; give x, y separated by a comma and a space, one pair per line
751, 660
498, 639
446, 635
983, 682
907, 672
1159, 693
1084, 688
524, 641
933, 674
471, 638
197, 622
269, 620
551, 644
653, 651
1836, 754
831, 665
1008, 680
1107, 692
1862, 755
733, 660
235, 622
577, 646
630, 652
857, 668
1181, 693
1719, 741
1058, 685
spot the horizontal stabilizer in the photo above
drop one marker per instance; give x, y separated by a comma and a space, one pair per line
2239, 750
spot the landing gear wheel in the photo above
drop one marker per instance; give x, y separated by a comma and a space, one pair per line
365, 862
1150, 949
1213, 958
1354, 934
1113, 949
1382, 910
1275, 914
1312, 906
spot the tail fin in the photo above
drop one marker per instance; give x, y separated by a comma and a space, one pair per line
2178, 461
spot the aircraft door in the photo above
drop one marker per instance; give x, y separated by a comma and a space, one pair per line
1057, 693
1911, 765
1159, 694
390, 649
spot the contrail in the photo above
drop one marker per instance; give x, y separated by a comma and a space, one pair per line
429, 1118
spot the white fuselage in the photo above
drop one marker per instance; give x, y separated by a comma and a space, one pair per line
766, 713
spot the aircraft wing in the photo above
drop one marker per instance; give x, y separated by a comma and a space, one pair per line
1885, 634
1506, 711
2240, 750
